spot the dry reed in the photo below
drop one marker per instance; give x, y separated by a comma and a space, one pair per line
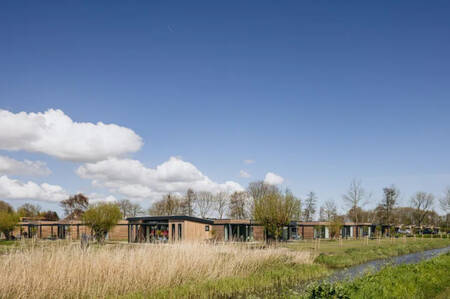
65, 271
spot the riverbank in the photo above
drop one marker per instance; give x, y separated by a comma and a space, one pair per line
427, 279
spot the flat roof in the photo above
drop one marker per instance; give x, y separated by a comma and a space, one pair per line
167, 218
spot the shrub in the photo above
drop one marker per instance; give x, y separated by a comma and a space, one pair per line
101, 218
7, 223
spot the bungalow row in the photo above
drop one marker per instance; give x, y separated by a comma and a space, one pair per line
176, 228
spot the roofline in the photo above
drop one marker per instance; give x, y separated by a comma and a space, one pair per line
172, 217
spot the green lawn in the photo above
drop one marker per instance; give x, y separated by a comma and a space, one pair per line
428, 279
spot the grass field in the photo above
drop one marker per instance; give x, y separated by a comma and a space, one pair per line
180, 270
428, 279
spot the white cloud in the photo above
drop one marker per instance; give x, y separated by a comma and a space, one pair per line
273, 179
15, 189
249, 161
14, 167
96, 197
55, 134
132, 179
244, 174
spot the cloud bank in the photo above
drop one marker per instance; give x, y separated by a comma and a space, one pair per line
273, 179
54, 133
31, 168
15, 189
132, 179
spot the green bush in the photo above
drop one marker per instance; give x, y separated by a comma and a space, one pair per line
102, 217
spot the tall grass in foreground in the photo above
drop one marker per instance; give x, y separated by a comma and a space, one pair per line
67, 271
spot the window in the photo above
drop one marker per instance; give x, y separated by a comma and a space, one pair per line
173, 232
180, 232
206, 228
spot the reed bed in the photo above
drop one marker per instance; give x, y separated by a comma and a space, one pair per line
66, 271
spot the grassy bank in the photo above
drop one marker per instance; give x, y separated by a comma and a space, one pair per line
428, 279
354, 252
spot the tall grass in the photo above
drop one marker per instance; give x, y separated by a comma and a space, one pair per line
66, 271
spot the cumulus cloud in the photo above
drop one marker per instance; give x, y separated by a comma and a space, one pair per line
273, 179
96, 197
249, 161
56, 134
14, 167
132, 179
15, 189
244, 174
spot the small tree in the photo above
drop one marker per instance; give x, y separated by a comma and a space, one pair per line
101, 218
7, 223
335, 226
274, 211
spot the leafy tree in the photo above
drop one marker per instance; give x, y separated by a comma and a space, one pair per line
29, 210
422, 202
6, 207
8, 220
101, 218
75, 206
336, 224
274, 211
237, 205
310, 206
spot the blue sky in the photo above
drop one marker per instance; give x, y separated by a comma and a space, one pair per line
317, 92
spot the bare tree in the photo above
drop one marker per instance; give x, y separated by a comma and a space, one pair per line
237, 206
169, 205
422, 202
125, 207
310, 206
221, 200
204, 203
388, 202
257, 190
136, 210
188, 203
75, 206
328, 211
29, 210
354, 198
